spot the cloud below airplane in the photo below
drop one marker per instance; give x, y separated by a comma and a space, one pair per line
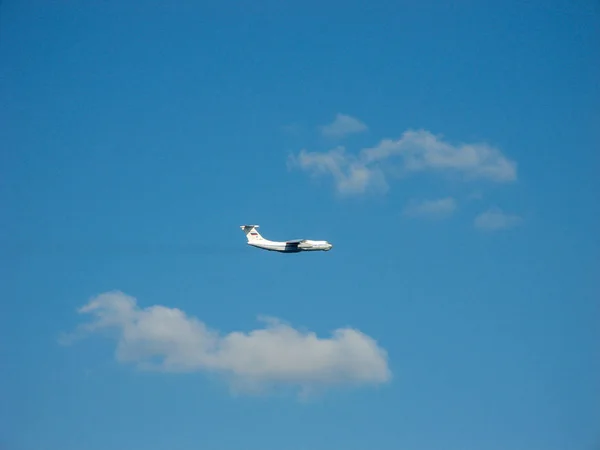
166, 339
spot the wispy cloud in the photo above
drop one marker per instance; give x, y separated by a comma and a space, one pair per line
496, 219
343, 125
166, 339
476, 195
415, 152
351, 175
433, 209
292, 128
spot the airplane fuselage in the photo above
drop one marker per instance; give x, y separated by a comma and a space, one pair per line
285, 247
292, 246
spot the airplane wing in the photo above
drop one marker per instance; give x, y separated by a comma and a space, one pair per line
295, 241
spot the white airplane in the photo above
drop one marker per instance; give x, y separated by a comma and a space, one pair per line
293, 246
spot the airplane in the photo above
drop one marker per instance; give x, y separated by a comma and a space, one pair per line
293, 246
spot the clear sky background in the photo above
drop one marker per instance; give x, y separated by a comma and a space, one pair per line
450, 154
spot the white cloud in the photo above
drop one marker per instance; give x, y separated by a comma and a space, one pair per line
431, 208
496, 219
476, 195
162, 338
350, 174
343, 125
416, 151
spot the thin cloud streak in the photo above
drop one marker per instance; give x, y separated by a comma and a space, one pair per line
433, 209
67, 249
495, 219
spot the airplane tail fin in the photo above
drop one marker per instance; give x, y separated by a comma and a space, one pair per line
251, 233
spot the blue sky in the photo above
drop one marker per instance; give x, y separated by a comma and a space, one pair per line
450, 154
